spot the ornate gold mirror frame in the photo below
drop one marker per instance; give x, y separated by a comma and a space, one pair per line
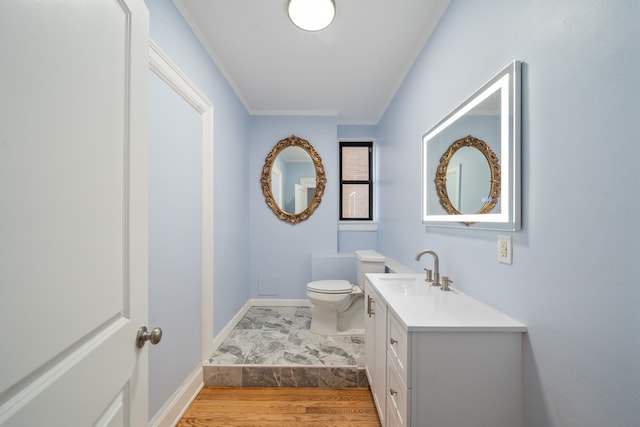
265, 179
441, 175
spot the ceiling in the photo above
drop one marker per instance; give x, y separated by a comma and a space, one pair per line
350, 70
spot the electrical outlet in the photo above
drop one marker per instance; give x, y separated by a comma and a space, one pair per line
504, 249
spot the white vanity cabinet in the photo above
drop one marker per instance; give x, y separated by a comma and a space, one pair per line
451, 361
375, 342
458, 378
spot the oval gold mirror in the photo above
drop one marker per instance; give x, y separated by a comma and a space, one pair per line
293, 179
474, 158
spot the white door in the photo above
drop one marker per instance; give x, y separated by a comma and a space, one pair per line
300, 198
73, 212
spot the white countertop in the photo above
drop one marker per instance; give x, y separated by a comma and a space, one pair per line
422, 307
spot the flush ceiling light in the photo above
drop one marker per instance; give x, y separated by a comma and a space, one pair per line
312, 15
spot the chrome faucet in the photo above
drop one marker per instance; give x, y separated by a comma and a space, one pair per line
436, 266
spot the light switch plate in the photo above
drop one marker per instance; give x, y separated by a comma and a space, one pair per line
504, 249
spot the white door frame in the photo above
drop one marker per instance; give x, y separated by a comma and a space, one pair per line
166, 70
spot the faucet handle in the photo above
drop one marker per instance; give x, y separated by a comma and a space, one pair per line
429, 275
445, 283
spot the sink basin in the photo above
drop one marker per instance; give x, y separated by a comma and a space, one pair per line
405, 285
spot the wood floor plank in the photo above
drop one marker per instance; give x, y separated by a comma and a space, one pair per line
283, 407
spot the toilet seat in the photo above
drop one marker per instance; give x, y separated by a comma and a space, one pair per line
330, 287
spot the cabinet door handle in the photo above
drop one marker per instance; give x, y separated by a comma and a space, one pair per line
393, 341
370, 302
393, 392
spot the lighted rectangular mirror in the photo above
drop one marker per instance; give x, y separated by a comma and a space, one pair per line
471, 160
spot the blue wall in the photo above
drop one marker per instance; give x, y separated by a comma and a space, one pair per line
280, 253
574, 275
231, 180
231, 218
175, 234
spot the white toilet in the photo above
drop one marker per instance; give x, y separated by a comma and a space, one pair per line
337, 305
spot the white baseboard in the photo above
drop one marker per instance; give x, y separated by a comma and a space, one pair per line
259, 302
169, 415
254, 302
217, 340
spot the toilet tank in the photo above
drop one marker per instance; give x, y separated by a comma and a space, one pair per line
368, 261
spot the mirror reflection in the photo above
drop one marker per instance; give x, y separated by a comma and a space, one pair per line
471, 159
293, 179
476, 180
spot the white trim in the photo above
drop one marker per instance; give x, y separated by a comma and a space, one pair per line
207, 236
164, 68
357, 226
295, 113
275, 170
162, 65
174, 408
224, 333
267, 302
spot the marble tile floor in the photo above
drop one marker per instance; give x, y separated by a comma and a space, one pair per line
274, 347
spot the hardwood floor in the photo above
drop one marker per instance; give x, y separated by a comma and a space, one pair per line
282, 407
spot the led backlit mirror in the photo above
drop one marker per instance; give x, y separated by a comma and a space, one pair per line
471, 160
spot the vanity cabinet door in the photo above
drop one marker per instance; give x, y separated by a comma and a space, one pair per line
392, 417
398, 347
375, 339
396, 397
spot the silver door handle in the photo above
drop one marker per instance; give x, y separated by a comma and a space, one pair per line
144, 335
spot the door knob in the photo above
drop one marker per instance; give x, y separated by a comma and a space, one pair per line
144, 335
